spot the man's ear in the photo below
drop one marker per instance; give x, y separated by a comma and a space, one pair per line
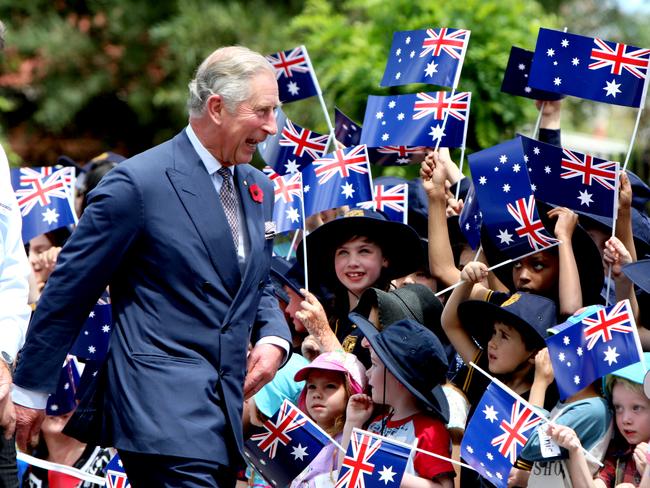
215, 108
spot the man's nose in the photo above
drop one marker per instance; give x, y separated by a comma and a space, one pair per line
271, 125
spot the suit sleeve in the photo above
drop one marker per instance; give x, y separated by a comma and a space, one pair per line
108, 227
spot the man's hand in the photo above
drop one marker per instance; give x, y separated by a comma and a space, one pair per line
28, 425
263, 362
7, 413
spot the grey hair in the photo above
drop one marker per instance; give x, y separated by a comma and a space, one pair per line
226, 72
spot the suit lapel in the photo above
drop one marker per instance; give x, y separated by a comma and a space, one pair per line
194, 188
253, 215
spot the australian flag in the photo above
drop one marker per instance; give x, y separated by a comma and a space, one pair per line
594, 342
115, 475
506, 200
295, 74
64, 399
391, 200
290, 441
591, 68
92, 341
571, 179
432, 56
470, 219
496, 433
372, 461
516, 77
348, 133
417, 119
287, 211
45, 197
340, 178
293, 147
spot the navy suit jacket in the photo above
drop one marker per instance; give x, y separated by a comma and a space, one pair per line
184, 313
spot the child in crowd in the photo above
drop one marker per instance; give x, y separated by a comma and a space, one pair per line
626, 458
407, 373
586, 412
349, 255
330, 380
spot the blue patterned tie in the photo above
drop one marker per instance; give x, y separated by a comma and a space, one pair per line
227, 195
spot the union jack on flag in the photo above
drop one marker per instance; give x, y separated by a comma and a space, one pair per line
496, 433
441, 103
617, 56
522, 419
392, 200
292, 148
341, 163
295, 75
605, 323
372, 461
115, 475
594, 342
270, 172
446, 40
297, 440
45, 199
584, 167
396, 155
303, 140
530, 226
277, 431
432, 56
287, 211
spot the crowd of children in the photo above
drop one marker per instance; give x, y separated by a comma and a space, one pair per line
375, 348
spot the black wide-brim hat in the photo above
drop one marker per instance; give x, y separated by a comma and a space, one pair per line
585, 251
531, 315
400, 244
415, 356
639, 274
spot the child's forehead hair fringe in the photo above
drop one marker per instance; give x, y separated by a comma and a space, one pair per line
629, 385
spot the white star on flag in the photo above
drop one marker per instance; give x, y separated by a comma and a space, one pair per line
50, 216
347, 190
505, 237
106, 328
470, 449
503, 159
431, 69
66, 386
437, 132
547, 169
536, 151
528, 89
306, 189
566, 340
391, 104
299, 452
585, 198
611, 355
550, 52
293, 215
400, 116
291, 166
576, 379
612, 88
579, 351
379, 115
490, 413
92, 349
482, 180
293, 88
516, 168
557, 81
506, 188
561, 357
565, 43
385, 136
490, 456
575, 61
387, 474
522, 66
91, 314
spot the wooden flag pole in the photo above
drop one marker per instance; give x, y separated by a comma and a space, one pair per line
304, 235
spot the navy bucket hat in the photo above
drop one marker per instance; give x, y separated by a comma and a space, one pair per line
530, 314
415, 356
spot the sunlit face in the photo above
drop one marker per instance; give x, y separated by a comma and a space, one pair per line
506, 349
294, 306
251, 122
326, 397
358, 264
632, 411
538, 273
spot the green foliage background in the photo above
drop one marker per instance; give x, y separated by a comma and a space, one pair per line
79, 77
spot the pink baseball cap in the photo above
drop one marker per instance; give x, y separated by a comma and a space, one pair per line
338, 361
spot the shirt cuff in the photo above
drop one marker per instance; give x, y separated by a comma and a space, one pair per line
277, 341
29, 398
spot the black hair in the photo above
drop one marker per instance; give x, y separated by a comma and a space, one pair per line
94, 174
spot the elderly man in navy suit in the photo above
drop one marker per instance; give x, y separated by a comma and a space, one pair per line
182, 233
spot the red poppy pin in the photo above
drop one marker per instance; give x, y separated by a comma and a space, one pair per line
256, 193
